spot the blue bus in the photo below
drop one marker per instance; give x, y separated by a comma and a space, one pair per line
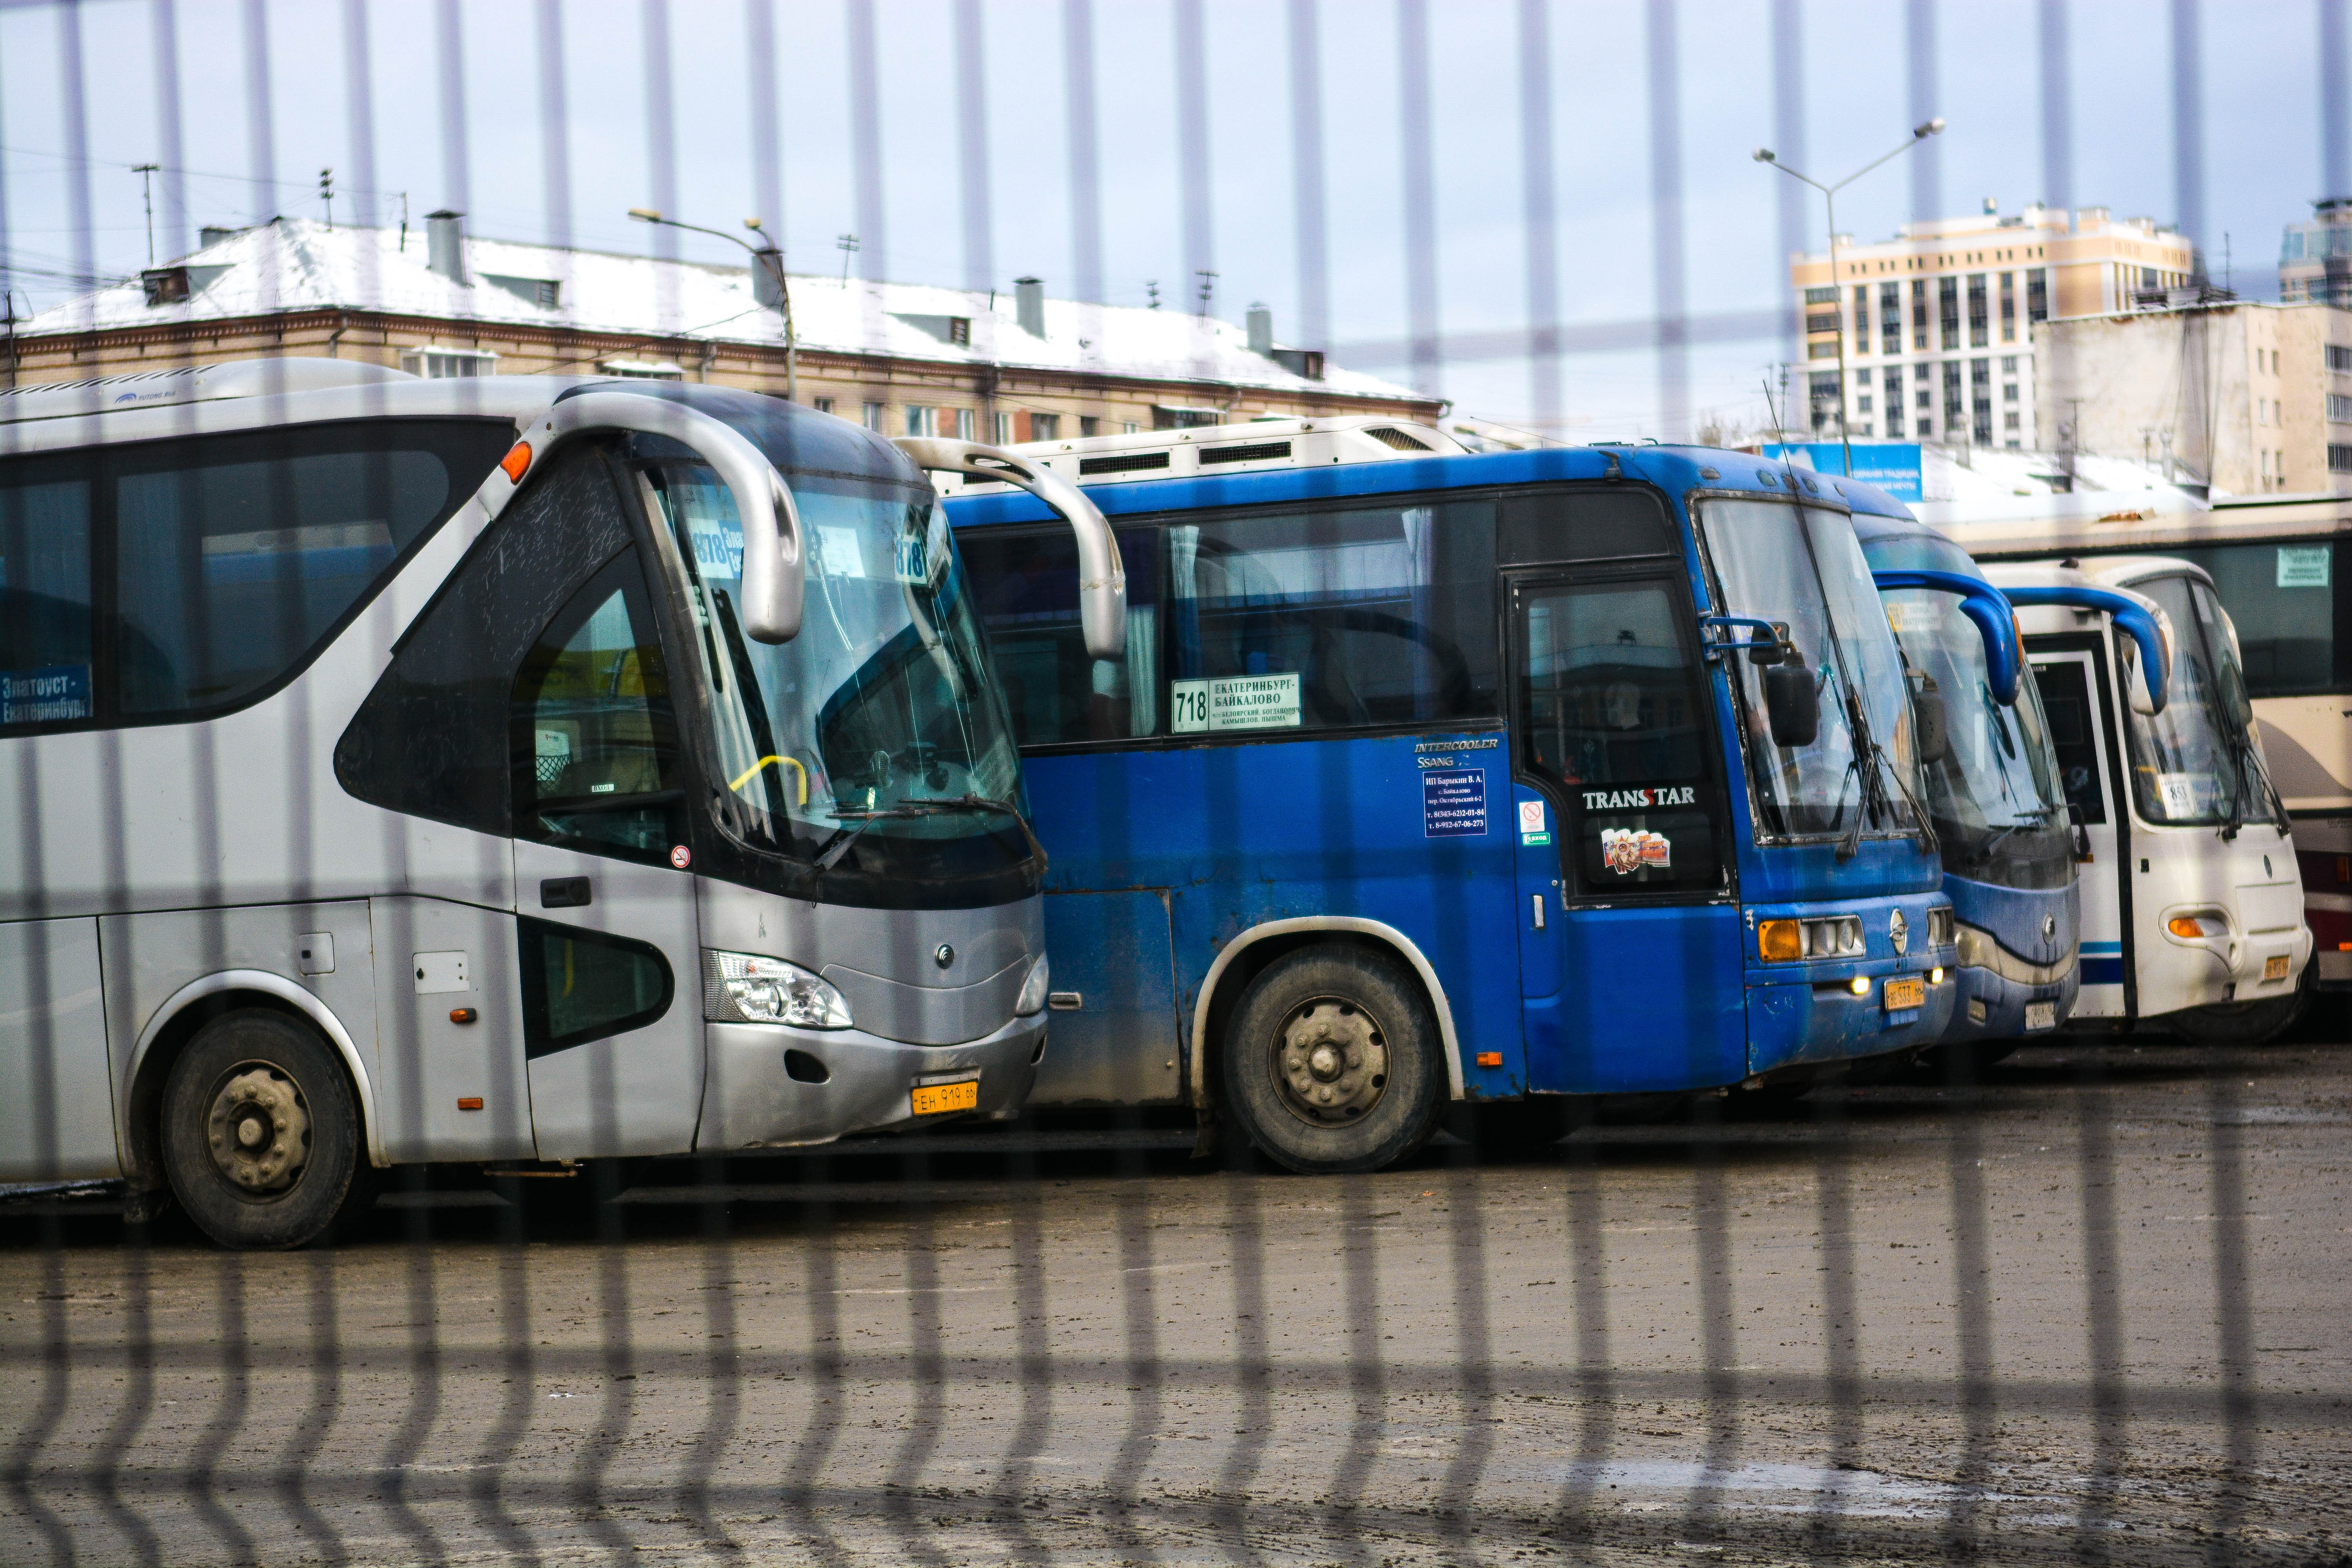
1580, 772
1994, 790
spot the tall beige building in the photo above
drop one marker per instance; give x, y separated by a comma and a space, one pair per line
1940, 323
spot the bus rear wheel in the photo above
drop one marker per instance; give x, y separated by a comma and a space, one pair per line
1332, 1062
261, 1133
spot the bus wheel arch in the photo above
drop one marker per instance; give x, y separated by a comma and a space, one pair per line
1255, 951
176, 1024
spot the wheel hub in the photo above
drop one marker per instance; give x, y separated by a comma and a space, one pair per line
258, 1130
1331, 1062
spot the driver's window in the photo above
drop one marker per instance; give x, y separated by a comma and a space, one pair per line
595, 737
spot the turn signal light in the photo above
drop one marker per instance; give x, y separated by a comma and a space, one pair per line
2197, 928
2181, 925
516, 461
1780, 941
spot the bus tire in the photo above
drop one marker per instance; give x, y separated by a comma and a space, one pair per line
1333, 1062
261, 1133
2237, 1023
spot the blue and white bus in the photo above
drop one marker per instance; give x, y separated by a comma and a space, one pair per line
1993, 789
1577, 771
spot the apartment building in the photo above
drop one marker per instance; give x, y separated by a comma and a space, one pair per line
1939, 325
904, 359
2246, 398
2315, 256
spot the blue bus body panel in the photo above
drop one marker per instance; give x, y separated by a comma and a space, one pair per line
1236, 836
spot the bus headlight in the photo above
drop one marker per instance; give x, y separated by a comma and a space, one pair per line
1787, 941
1034, 989
747, 988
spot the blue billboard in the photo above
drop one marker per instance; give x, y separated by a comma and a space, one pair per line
1892, 466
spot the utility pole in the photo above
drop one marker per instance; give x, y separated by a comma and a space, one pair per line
1208, 288
847, 244
327, 193
1829, 195
146, 172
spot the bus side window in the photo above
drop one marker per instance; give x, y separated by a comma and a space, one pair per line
595, 737
435, 737
2066, 701
1026, 584
45, 599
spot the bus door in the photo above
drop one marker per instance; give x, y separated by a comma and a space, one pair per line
608, 944
1630, 941
2075, 697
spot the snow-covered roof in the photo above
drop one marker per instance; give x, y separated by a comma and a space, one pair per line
301, 265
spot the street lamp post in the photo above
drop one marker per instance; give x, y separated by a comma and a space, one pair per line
769, 257
1829, 195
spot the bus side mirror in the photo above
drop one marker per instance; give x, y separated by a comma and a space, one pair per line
1102, 575
2142, 701
1933, 724
2082, 834
1792, 704
772, 583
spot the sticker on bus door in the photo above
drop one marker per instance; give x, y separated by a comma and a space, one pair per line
1532, 830
1453, 802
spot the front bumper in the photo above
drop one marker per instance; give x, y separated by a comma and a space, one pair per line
752, 1100
1825, 1021
1989, 1005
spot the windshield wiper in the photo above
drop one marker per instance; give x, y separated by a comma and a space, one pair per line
830, 852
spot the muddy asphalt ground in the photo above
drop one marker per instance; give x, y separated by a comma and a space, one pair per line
2097, 1310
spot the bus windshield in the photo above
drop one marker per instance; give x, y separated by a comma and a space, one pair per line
2196, 763
876, 737
1993, 796
1776, 562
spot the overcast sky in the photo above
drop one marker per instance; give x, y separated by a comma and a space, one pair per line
283, 98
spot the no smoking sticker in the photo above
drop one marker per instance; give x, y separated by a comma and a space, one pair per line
681, 857
1531, 823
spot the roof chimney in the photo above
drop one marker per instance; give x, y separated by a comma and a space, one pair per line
444, 244
1260, 330
1029, 305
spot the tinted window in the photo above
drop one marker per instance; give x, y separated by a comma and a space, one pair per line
2067, 703
595, 739
2290, 604
434, 738
1027, 588
45, 597
173, 579
1609, 717
1585, 525
582, 985
1329, 619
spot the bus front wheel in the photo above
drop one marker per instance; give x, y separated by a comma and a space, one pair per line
1332, 1061
261, 1133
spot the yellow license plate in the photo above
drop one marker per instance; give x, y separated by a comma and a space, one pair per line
933, 1098
2274, 968
1904, 992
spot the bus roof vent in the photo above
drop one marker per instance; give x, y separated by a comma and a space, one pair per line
1390, 436
1255, 452
186, 384
1123, 463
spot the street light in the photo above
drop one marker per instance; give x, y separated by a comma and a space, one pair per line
1829, 195
769, 257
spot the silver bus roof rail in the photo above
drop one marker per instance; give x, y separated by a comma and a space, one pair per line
1102, 576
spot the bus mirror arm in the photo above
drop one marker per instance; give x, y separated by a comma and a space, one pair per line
2135, 616
772, 581
1102, 577
1983, 604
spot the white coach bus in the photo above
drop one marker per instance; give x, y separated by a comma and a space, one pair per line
492, 770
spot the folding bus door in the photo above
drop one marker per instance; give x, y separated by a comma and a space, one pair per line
1630, 947
2074, 682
